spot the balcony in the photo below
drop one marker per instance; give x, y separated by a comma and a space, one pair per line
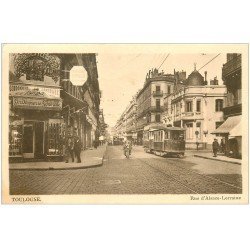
231, 67
188, 116
157, 93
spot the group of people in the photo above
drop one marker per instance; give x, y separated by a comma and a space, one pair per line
218, 147
72, 149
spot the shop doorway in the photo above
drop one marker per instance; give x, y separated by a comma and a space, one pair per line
28, 140
33, 139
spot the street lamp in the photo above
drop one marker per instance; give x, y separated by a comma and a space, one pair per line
197, 143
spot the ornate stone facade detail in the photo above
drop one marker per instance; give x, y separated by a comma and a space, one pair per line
35, 66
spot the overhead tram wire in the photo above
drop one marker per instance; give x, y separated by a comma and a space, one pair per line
159, 59
208, 62
164, 60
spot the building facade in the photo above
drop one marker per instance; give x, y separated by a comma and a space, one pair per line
81, 103
150, 100
45, 106
231, 129
126, 124
197, 107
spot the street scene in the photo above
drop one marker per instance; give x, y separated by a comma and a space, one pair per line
140, 174
146, 123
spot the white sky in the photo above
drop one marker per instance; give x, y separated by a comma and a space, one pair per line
122, 75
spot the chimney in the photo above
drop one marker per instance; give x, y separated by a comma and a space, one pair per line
216, 81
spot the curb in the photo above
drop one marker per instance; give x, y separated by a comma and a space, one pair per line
205, 157
60, 168
63, 168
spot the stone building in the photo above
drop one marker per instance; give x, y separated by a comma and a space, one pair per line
45, 106
150, 98
126, 125
231, 129
81, 103
197, 107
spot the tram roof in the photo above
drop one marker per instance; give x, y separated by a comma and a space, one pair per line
152, 127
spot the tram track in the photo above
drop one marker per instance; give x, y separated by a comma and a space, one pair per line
169, 176
206, 176
195, 182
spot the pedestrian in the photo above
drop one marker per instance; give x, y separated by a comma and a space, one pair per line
77, 148
216, 147
222, 146
69, 149
95, 143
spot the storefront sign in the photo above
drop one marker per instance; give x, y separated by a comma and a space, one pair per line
37, 103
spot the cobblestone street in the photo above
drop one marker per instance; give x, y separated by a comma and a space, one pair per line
141, 174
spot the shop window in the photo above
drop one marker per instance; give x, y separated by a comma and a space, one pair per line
15, 140
218, 105
55, 138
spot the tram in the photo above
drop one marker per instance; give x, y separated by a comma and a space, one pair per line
164, 141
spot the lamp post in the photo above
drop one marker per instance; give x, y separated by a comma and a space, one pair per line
197, 143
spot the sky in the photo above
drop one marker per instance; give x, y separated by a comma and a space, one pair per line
122, 75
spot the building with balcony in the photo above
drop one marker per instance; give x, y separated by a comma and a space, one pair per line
197, 107
126, 125
45, 107
150, 98
231, 128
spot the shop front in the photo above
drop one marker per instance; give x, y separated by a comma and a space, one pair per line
231, 131
36, 128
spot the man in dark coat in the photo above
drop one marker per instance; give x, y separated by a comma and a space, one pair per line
77, 148
69, 149
216, 147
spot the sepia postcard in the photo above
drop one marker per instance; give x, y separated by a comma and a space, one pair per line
125, 124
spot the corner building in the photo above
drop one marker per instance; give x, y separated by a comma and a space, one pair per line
150, 105
197, 107
44, 106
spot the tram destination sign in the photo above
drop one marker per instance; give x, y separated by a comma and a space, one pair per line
37, 103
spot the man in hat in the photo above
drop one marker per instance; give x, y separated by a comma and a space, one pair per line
216, 147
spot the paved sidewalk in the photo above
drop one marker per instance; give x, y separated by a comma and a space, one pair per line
209, 155
90, 158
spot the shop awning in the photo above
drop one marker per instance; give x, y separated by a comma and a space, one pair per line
232, 126
236, 131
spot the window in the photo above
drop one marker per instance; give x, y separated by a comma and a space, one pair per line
158, 88
198, 106
189, 131
169, 89
158, 103
218, 105
178, 108
157, 117
166, 134
189, 106
15, 139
